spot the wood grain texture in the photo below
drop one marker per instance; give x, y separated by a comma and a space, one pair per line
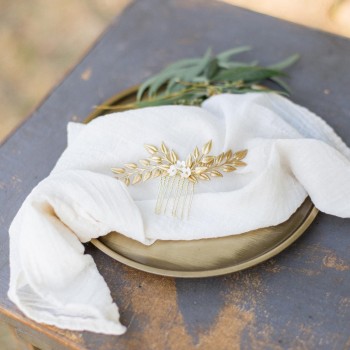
300, 299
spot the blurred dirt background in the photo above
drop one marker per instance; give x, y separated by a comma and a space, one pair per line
39, 41
328, 15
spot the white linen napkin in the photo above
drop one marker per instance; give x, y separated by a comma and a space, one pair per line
292, 153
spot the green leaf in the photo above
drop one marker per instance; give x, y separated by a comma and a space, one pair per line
211, 68
281, 83
289, 61
235, 64
226, 55
162, 100
177, 66
183, 63
186, 70
144, 86
189, 81
200, 80
172, 85
248, 89
160, 80
247, 74
195, 71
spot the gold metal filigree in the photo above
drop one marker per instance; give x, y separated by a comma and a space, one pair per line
178, 177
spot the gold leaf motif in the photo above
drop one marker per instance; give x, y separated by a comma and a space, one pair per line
151, 149
144, 162
164, 166
196, 153
156, 173
189, 161
207, 159
228, 168
164, 148
220, 158
168, 157
173, 156
200, 169
238, 163
228, 154
137, 179
216, 173
192, 178
118, 170
131, 165
156, 159
207, 147
199, 165
146, 176
240, 154
204, 177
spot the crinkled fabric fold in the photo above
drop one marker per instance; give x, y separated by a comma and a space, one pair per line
292, 153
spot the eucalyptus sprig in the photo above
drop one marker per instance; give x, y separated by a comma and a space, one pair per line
191, 81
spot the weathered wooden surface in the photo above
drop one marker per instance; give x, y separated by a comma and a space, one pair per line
300, 299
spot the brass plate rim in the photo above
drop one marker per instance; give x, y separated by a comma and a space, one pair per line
214, 272
309, 218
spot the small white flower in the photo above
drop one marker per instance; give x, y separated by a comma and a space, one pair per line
185, 172
180, 164
172, 170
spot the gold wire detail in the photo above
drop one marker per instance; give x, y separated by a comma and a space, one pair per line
177, 178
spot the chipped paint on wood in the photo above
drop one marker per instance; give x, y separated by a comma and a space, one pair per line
86, 75
153, 301
334, 262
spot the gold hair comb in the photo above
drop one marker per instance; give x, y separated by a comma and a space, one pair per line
178, 177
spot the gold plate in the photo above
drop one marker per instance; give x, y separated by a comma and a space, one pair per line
204, 257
